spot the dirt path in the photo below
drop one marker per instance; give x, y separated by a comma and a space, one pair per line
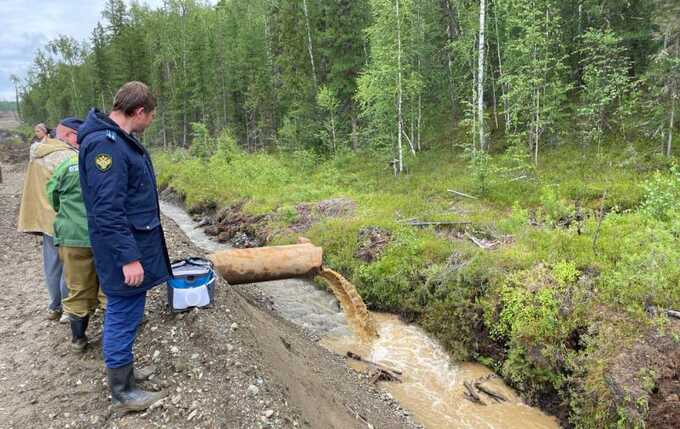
8, 120
233, 366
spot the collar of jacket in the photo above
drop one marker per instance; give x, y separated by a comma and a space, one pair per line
129, 138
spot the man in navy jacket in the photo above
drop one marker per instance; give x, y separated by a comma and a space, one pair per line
123, 216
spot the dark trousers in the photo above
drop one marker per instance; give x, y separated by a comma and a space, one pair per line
123, 315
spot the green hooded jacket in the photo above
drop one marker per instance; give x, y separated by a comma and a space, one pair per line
63, 194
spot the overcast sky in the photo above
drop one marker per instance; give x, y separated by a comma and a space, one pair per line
26, 25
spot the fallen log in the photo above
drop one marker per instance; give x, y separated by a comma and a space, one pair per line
655, 311
442, 223
462, 194
381, 375
494, 395
484, 244
471, 395
357, 357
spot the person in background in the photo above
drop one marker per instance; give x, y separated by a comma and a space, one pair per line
36, 216
71, 237
41, 132
123, 216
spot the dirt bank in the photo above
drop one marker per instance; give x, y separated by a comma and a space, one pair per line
233, 366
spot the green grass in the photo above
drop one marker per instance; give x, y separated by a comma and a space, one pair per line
529, 297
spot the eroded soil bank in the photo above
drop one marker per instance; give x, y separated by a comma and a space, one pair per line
642, 379
429, 387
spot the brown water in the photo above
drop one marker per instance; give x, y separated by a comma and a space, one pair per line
352, 305
432, 387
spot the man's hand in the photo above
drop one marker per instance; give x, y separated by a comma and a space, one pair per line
133, 273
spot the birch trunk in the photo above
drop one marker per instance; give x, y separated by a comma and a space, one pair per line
309, 41
420, 117
480, 74
400, 123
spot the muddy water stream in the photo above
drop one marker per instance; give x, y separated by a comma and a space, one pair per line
432, 386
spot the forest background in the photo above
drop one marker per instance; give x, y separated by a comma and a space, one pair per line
553, 123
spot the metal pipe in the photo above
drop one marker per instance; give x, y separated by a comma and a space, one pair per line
267, 263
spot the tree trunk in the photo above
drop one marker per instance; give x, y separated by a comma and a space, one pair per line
184, 77
506, 110
15, 81
270, 61
451, 35
537, 125
670, 125
333, 130
224, 92
309, 41
400, 123
355, 129
420, 117
493, 93
480, 74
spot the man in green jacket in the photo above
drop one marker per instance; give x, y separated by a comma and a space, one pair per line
72, 238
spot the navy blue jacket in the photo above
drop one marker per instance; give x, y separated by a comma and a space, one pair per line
121, 199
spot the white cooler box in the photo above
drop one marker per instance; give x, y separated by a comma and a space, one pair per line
192, 284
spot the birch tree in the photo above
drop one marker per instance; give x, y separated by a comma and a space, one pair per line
309, 42
16, 82
392, 69
534, 70
665, 73
605, 83
480, 74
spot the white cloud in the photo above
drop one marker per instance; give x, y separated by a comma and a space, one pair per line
28, 25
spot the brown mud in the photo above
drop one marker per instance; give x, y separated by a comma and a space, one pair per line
648, 372
234, 226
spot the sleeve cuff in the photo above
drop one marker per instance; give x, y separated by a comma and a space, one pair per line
128, 256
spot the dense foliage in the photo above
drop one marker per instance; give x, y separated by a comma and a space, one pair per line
585, 246
279, 102
329, 75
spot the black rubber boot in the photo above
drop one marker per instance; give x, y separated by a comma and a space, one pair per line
78, 337
125, 396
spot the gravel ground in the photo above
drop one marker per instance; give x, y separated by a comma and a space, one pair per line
236, 365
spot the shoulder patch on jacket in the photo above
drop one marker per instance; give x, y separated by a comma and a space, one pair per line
103, 162
111, 135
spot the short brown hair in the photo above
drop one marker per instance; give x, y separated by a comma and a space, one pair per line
132, 96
